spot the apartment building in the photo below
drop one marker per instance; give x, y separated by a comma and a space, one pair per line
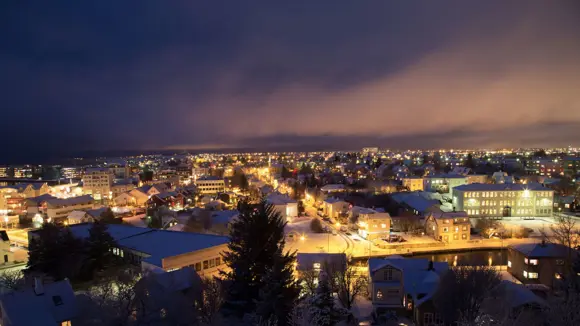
413, 183
448, 227
71, 172
504, 200
210, 185
571, 166
334, 208
98, 182
373, 225
56, 209
539, 263
5, 172
120, 170
12, 198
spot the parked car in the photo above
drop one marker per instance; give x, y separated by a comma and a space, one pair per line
348, 233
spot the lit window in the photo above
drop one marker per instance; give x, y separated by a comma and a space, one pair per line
533, 262
509, 264
526, 261
558, 276
525, 274
379, 294
532, 275
316, 266
384, 226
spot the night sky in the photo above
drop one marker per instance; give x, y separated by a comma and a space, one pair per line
79, 76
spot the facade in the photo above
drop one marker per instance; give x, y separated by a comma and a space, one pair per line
571, 166
320, 261
286, 206
13, 198
98, 182
198, 172
334, 208
210, 185
413, 183
504, 200
477, 178
374, 225
120, 170
444, 183
55, 209
539, 263
448, 227
121, 187
6, 254
71, 172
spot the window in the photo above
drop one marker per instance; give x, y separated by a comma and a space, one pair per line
533, 262
388, 274
198, 266
526, 260
205, 264
211, 263
379, 294
66, 323
558, 276
384, 226
509, 264
525, 274
316, 266
445, 229
218, 261
428, 318
532, 275
560, 262
464, 236
464, 228
455, 237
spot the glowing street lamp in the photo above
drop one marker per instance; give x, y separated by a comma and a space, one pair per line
302, 238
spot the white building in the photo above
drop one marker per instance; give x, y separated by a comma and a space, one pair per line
98, 182
210, 185
444, 183
286, 206
504, 200
373, 225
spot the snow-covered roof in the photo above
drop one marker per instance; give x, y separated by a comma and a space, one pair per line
542, 250
279, 199
85, 199
501, 187
332, 187
160, 244
517, 295
25, 307
76, 215
224, 217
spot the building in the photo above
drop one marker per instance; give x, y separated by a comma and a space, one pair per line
477, 178
5, 252
48, 208
198, 171
370, 150
539, 263
448, 227
286, 206
120, 187
413, 183
334, 208
332, 188
71, 172
98, 182
374, 225
504, 200
405, 285
210, 185
5, 172
12, 198
120, 170
418, 203
571, 166
41, 304
444, 183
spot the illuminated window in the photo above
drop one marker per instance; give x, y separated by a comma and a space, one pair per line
558, 276
384, 226
445, 229
316, 266
379, 294
532, 275
526, 261
525, 274
388, 274
509, 264
533, 262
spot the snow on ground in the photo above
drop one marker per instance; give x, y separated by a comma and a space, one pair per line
313, 242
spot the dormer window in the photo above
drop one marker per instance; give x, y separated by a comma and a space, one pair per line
388, 274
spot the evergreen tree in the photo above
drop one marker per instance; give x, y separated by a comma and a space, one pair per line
278, 297
321, 308
100, 246
54, 251
469, 163
244, 185
256, 255
109, 217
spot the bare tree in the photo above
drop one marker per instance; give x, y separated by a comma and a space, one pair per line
110, 303
349, 284
212, 300
564, 310
487, 226
308, 280
565, 232
462, 292
11, 280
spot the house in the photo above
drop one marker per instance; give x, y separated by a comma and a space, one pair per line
162, 250
51, 304
57, 209
320, 261
172, 293
448, 227
444, 183
334, 207
120, 187
502, 177
374, 225
332, 188
98, 182
286, 206
416, 203
86, 216
511, 301
539, 263
405, 285
7, 254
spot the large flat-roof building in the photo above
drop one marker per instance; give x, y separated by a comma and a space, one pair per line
210, 185
504, 200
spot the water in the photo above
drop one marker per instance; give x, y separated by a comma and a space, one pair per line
494, 257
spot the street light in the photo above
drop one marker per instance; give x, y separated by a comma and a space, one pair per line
302, 238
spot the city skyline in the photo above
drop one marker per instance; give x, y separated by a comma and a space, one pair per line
198, 76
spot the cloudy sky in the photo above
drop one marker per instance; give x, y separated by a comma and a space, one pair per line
111, 75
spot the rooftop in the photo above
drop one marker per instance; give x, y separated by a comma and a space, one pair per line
539, 250
502, 187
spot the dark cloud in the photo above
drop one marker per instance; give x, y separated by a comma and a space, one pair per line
107, 75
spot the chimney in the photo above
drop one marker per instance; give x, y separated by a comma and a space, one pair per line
38, 286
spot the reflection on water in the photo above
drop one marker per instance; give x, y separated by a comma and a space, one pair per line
470, 258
